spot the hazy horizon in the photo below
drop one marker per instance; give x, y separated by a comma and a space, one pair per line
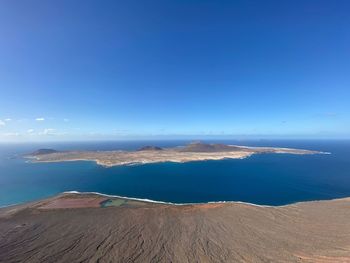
152, 141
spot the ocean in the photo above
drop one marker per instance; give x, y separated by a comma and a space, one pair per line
264, 179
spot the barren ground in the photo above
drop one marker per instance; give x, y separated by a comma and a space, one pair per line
134, 231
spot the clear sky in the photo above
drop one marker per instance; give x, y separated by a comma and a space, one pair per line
163, 69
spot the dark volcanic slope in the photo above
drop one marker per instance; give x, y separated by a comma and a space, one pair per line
144, 232
43, 151
204, 147
150, 148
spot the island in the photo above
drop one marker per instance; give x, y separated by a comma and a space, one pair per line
196, 151
76, 227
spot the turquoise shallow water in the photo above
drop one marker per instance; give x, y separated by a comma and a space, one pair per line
270, 179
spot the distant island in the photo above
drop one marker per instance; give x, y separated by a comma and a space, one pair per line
196, 151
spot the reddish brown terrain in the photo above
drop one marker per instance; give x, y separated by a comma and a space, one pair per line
92, 228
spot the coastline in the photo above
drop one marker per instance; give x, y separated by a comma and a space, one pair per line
146, 200
101, 163
151, 201
259, 150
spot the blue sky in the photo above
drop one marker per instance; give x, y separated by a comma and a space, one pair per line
74, 70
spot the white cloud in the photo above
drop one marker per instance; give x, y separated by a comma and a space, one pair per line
2, 123
66, 120
48, 131
40, 119
8, 119
30, 131
11, 134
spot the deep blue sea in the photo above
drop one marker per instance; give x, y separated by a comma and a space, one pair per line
269, 179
